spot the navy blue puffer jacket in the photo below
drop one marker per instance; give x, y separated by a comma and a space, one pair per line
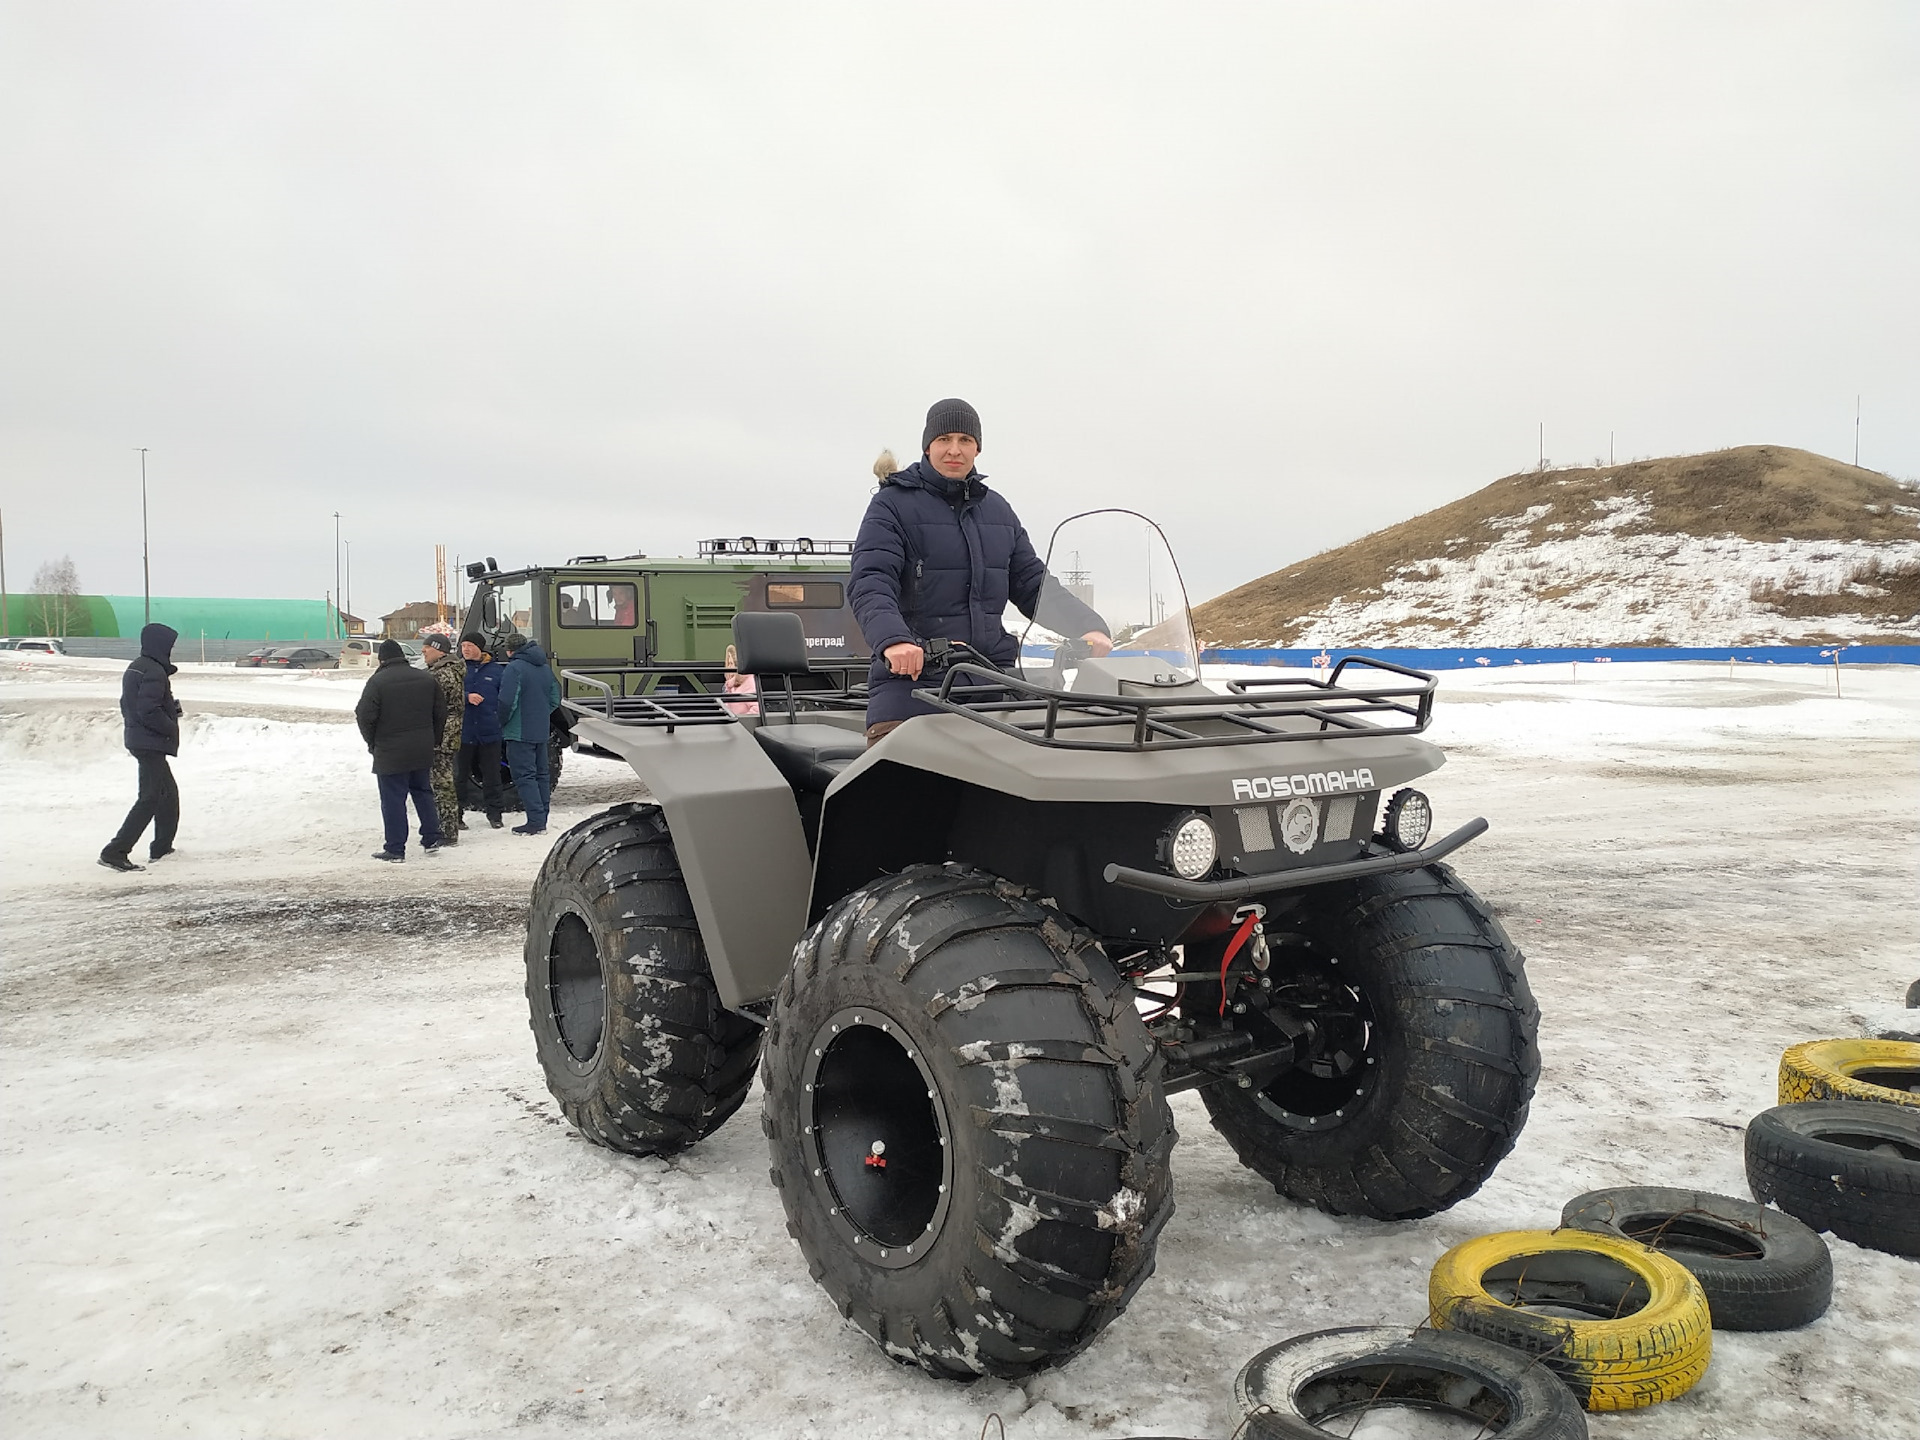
939, 558
147, 706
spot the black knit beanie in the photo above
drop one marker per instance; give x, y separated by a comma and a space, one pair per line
475, 639
950, 417
390, 650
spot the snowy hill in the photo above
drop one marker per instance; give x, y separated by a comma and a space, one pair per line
1758, 545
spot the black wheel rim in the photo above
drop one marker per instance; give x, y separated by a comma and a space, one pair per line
575, 988
866, 1082
1341, 1066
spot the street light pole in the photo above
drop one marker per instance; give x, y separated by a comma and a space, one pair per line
146, 571
339, 595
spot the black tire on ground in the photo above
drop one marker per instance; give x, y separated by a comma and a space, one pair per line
1761, 1269
996, 1055
626, 1020
1849, 1166
1329, 1375
510, 793
1424, 1082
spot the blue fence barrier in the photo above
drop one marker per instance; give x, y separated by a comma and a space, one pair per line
1467, 659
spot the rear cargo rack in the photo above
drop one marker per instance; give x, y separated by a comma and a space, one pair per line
1254, 711
690, 694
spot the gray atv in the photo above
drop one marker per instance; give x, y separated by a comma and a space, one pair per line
974, 960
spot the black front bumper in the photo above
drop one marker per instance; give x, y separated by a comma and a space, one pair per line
1240, 887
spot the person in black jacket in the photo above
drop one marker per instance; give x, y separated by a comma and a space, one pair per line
938, 556
402, 713
152, 733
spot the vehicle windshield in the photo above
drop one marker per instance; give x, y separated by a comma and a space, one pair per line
1113, 566
505, 608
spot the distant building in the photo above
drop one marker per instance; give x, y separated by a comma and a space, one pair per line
406, 622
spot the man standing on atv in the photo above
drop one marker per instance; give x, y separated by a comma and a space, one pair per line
939, 555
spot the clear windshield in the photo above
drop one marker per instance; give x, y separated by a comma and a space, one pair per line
1113, 567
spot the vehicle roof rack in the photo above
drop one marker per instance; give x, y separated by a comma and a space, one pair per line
748, 545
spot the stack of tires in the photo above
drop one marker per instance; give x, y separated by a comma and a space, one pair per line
1842, 1148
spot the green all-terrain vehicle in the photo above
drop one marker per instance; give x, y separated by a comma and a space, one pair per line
673, 615
974, 960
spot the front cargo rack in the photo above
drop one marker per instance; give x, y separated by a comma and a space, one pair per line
689, 693
1254, 711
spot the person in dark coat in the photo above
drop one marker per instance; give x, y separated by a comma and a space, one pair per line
402, 713
528, 696
151, 734
480, 730
938, 556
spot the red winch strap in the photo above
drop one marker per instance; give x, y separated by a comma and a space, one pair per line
1233, 949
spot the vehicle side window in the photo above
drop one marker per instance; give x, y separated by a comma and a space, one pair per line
593, 607
805, 595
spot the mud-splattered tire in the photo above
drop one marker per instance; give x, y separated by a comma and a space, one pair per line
996, 1055
626, 1020
1650, 1336
1842, 1165
1761, 1269
1296, 1389
1884, 1070
1414, 1109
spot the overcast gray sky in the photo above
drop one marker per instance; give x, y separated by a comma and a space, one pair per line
533, 280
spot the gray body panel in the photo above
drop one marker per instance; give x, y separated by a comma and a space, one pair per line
954, 746
737, 834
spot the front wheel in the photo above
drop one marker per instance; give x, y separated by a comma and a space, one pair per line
967, 1125
1425, 1057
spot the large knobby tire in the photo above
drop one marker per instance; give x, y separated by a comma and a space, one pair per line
1422, 1083
1350, 1373
1842, 1165
996, 1056
1643, 1332
1884, 1070
626, 1020
1761, 1269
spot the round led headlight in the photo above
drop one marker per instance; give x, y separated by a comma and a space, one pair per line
1191, 847
1409, 820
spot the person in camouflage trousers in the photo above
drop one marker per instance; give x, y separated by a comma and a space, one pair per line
450, 673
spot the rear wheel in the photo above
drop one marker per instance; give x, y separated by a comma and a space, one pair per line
967, 1125
626, 1019
1423, 1062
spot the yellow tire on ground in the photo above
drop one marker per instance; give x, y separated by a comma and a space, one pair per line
1629, 1326
1883, 1070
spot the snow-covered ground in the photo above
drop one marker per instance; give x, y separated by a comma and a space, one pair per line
1599, 586
278, 1161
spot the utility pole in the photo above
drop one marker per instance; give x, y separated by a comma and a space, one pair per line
1543, 444
1609, 449
5, 629
440, 583
1856, 446
349, 580
146, 571
339, 595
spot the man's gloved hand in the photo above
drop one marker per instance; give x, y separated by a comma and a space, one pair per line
905, 658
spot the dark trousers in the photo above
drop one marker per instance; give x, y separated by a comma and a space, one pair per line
394, 792
486, 757
158, 804
532, 777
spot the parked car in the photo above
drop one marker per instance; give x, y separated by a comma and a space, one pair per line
362, 652
40, 644
252, 658
298, 657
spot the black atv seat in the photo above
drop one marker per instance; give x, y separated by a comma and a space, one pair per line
809, 756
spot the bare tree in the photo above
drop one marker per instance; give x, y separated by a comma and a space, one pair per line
57, 584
